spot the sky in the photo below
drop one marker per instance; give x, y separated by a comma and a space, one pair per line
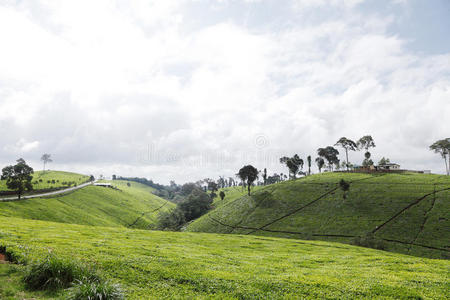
184, 90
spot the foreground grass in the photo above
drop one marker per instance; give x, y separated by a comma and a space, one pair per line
151, 264
52, 179
12, 287
314, 208
134, 206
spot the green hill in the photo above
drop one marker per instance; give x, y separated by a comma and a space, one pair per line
52, 179
155, 265
132, 206
397, 212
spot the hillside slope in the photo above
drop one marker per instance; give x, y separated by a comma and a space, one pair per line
156, 265
52, 179
401, 211
134, 206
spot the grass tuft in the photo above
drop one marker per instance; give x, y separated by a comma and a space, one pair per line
95, 290
54, 273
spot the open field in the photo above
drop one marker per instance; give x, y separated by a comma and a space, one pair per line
52, 179
135, 206
152, 264
401, 210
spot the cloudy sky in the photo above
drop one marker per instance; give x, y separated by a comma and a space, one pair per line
185, 90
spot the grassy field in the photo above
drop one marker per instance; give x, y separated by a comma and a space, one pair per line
52, 179
132, 206
154, 265
314, 208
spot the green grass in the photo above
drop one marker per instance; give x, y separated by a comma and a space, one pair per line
155, 265
12, 287
43, 180
371, 201
134, 206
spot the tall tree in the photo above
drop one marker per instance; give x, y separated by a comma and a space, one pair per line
18, 177
442, 147
46, 159
330, 154
248, 174
366, 142
309, 164
293, 163
264, 175
320, 162
347, 144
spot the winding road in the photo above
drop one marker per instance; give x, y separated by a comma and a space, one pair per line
15, 198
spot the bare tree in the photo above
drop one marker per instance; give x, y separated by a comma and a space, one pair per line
46, 159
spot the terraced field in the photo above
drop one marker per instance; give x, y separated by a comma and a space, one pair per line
156, 265
406, 213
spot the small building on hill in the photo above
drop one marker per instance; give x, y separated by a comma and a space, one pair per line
103, 184
389, 166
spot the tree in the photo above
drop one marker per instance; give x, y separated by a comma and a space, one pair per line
384, 161
18, 177
367, 161
46, 159
443, 148
114, 177
91, 178
309, 164
347, 144
172, 220
366, 142
330, 154
320, 163
196, 204
222, 195
293, 163
248, 174
265, 176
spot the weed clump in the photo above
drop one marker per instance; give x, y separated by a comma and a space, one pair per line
95, 290
54, 273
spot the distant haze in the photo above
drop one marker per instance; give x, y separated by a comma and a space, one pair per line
183, 90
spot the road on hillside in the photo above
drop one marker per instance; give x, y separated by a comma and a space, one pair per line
15, 198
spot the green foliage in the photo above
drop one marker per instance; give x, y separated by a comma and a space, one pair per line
54, 273
196, 204
330, 154
95, 290
171, 220
18, 177
248, 174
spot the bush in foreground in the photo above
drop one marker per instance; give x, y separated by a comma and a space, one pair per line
54, 273
95, 290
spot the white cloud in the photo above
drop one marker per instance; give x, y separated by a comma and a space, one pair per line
99, 84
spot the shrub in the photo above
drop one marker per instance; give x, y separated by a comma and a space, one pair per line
95, 290
54, 273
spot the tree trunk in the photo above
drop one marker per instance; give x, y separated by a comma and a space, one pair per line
248, 186
446, 166
346, 155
